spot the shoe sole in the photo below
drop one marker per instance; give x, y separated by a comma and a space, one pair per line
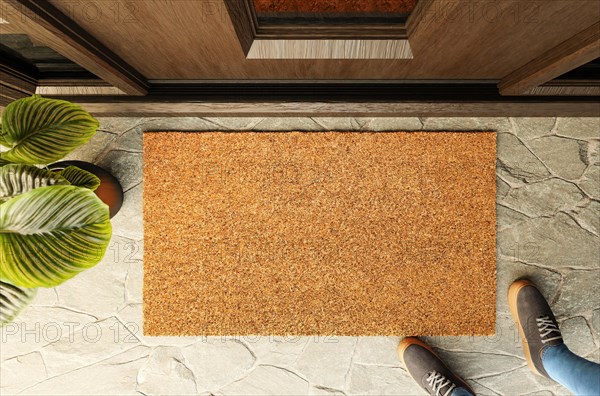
408, 341
513, 292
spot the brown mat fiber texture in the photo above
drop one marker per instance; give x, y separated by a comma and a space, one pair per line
328, 233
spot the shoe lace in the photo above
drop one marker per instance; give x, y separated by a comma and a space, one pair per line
437, 381
547, 326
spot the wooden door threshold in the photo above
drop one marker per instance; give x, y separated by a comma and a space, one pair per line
336, 99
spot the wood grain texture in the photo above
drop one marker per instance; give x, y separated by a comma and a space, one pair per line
119, 108
566, 88
9, 28
49, 25
316, 29
187, 39
570, 54
77, 90
319, 40
330, 49
420, 17
244, 22
9, 93
329, 233
18, 79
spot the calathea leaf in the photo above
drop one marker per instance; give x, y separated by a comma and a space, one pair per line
2, 141
12, 301
40, 131
81, 178
16, 179
50, 234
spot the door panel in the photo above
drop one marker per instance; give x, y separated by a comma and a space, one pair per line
195, 39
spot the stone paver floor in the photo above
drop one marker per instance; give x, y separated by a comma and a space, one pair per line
85, 337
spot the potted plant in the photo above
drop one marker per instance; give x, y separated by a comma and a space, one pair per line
52, 224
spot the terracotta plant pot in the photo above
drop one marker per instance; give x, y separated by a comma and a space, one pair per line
110, 190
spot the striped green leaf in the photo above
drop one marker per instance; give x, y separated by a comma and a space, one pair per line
81, 178
12, 301
16, 179
3, 142
50, 234
40, 131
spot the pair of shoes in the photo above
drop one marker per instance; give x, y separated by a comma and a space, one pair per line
537, 326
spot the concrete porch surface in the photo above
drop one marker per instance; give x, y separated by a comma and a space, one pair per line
85, 337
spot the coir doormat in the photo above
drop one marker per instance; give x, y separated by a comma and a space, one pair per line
319, 233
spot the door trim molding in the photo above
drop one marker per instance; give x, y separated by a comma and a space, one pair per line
570, 54
336, 99
43, 21
325, 41
18, 79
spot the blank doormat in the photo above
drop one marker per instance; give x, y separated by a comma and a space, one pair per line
329, 233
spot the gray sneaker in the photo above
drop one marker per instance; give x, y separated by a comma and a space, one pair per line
536, 322
428, 370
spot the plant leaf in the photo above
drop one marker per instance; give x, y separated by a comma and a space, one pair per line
12, 301
80, 178
16, 179
4, 144
40, 131
2, 141
50, 234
